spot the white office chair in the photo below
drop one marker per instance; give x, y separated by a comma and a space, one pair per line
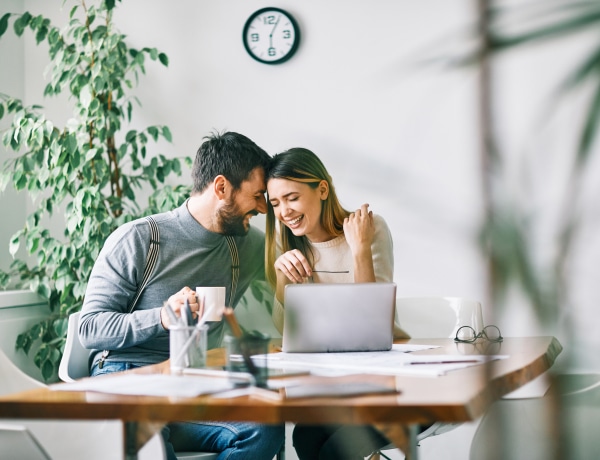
565, 422
74, 362
74, 365
435, 317
18, 443
63, 439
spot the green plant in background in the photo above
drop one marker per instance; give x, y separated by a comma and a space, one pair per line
91, 168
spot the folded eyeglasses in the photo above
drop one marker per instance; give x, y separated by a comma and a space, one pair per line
466, 334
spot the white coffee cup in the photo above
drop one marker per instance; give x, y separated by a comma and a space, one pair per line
214, 301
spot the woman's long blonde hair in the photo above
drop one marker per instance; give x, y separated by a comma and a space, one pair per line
300, 165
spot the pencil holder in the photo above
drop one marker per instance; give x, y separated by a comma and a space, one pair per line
187, 347
246, 354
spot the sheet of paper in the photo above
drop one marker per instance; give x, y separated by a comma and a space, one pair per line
410, 347
393, 362
149, 385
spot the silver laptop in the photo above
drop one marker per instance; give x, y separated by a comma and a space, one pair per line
338, 317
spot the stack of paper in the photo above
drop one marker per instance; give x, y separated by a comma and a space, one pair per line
393, 362
150, 385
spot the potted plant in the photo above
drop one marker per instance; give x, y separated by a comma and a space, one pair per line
92, 169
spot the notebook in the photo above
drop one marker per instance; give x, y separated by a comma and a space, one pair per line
338, 317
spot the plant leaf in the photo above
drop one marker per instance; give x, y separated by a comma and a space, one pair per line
166, 132
555, 30
21, 23
590, 128
164, 59
4, 23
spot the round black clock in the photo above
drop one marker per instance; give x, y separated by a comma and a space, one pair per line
271, 35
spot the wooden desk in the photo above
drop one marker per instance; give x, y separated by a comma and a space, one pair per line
459, 396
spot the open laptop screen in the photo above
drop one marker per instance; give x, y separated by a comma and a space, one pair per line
338, 317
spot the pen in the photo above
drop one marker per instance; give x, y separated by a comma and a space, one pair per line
173, 320
328, 271
186, 314
446, 362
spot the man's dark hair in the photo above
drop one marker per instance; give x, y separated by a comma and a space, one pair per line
230, 154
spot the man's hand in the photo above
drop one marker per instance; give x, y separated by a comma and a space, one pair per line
176, 301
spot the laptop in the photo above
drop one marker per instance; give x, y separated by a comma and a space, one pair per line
323, 317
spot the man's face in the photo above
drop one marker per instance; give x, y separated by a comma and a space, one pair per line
243, 204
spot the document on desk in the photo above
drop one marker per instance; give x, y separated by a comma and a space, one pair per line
393, 362
181, 386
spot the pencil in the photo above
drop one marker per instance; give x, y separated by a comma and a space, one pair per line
229, 315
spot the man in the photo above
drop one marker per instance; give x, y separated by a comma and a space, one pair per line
229, 188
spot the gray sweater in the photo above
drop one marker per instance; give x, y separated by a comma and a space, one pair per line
189, 255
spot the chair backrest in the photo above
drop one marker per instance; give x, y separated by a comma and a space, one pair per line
437, 317
14, 379
18, 442
74, 362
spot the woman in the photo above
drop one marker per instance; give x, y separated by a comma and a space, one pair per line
321, 242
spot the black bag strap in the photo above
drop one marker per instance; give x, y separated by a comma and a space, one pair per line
235, 267
151, 260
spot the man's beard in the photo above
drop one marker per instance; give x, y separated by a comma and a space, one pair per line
231, 220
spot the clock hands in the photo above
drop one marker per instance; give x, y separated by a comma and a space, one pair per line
273, 30
275, 26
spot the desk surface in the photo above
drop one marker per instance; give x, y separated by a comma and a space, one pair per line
460, 395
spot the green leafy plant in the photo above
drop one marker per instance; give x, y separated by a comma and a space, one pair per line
90, 169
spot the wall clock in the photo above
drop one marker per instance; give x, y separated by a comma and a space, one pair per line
271, 35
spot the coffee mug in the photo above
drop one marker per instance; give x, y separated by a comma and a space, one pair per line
214, 301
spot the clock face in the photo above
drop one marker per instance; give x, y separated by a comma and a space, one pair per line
271, 35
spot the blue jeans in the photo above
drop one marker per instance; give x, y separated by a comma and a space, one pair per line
232, 440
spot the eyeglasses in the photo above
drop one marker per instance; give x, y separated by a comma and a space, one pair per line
466, 334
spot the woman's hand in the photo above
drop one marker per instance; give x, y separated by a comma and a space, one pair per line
359, 230
294, 266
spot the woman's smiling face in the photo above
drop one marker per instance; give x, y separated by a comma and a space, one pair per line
298, 206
